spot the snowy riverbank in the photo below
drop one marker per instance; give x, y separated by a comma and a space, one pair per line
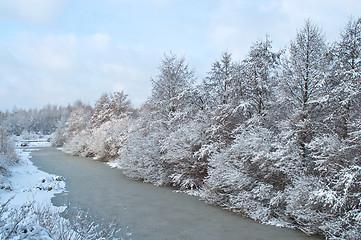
26, 210
25, 198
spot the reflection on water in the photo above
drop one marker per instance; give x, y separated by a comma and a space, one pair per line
149, 212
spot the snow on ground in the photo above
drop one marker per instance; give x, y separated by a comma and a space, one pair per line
32, 140
28, 194
29, 184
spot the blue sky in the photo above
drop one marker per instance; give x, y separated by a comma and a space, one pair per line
59, 51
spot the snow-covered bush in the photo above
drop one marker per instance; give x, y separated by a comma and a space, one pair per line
44, 222
141, 157
248, 176
8, 154
107, 140
180, 153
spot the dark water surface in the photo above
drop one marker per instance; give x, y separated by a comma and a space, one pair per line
149, 212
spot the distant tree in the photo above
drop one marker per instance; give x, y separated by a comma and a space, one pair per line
108, 107
78, 119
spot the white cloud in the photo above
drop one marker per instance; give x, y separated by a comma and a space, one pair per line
63, 68
100, 42
52, 52
331, 16
224, 34
117, 44
34, 11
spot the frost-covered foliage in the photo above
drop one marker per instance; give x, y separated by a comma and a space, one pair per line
142, 156
276, 136
42, 222
165, 142
44, 120
8, 154
98, 133
299, 164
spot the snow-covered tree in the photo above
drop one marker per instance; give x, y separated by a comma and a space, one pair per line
169, 131
141, 158
305, 66
224, 100
337, 151
258, 76
175, 76
76, 128
108, 140
110, 106
349, 48
79, 118
303, 73
223, 83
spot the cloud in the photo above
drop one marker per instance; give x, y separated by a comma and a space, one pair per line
61, 68
326, 14
34, 12
100, 42
235, 25
223, 34
51, 52
67, 52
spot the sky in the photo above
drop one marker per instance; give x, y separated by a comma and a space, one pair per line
61, 51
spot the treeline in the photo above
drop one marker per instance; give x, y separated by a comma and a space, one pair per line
276, 136
41, 121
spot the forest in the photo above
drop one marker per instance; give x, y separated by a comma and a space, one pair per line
275, 136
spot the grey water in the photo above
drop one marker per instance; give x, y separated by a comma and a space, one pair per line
147, 211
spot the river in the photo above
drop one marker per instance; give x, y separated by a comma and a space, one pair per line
147, 211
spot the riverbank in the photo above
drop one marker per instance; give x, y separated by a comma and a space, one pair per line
26, 208
25, 198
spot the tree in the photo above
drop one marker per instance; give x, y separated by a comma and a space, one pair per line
175, 76
257, 71
108, 107
224, 101
223, 83
78, 120
305, 66
345, 78
303, 73
142, 155
349, 48
166, 110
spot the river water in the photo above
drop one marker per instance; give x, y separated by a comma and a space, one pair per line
147, 211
